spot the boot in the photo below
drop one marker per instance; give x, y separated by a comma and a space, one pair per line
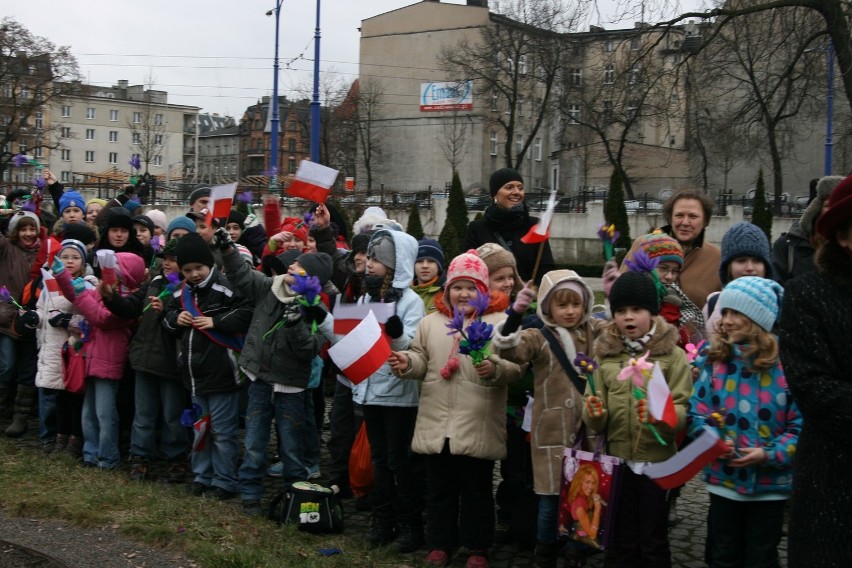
410, 537
24, 403
4, 408
545, 554
60, 444
382, 526
74, 449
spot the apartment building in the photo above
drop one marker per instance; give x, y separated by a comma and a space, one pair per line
218, 149
293, 137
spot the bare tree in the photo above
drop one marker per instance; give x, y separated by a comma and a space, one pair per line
515, 63
454, 132
33, 73
148, 125
368, 112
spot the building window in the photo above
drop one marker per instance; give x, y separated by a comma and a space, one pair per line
537, 149
113, 115
574, 114
137, 138
137, 117
158, 139
522, 64
520, 105
66, 155
291, 165
113, 135
494, 100
607, 111
90, 155
90, 134
609, 46
632, 110
609, 75
635, 72
519, 143
291, 145
39, 152
22, 147
158, 119
576, 77
66, 111
66, 132
672, 141
292, 125
90, 113
635, 43
113, 157
39, 120
65, 176
158, 160
493, 143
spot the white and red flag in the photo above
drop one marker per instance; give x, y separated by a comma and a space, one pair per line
312, 181
51, 286
540, 232
683, 466
348, 316
221, 198
362, 351
660, 403
109, 265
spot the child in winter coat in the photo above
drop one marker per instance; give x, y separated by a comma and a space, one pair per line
64, 411
640, 532
428, 272
741, 390
106, 354
390, 403
565, 307
209, 317
461, 426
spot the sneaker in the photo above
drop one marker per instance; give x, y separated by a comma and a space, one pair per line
438, 558
197, 489
276, 470
252, 508
85, 463
316, 474
220, 494
138, 468
477, 559
176, 472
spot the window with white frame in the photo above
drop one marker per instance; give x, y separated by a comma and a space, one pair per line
22, 147
522, 64
576, 76
113, 135
537, 149
113, 115
65, 155
573, 113
25, 93
635, 43
66, 111
609, 46
65, 176
7, 91
158, 160
38, 152
635, 73
607, 111
137, 117
519, 143
90, 155
90, 134
158, 119
632, 109
158, 139
520, 105
90, 113
609, 75
137, 138
495, 99
113, 157
493, 144
39, 120
66, 132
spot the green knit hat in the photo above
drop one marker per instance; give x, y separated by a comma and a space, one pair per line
661, 246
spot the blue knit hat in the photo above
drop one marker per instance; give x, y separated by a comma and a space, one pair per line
757, 298
744, 239
180, 223
71, 199
431, 249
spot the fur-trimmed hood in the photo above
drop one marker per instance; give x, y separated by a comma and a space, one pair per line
664, 340
496, 303
835, 262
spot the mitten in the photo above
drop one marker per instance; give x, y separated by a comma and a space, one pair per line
292, 313
57, 267
79, 285
29, 319
60, 320
222, 239
315, 314
523, 300
393, 327
64, 280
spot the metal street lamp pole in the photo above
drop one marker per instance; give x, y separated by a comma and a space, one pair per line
829, 109
273, 146
315, 102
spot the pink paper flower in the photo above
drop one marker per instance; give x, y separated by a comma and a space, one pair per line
636, 370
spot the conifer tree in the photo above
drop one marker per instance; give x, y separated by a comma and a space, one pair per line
615, 212
456, 218
415, 227
761, 214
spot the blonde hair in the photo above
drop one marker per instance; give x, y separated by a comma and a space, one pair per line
585, 470
761, 348
566, 295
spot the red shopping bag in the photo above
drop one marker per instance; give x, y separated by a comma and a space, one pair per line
360, 466
73, 369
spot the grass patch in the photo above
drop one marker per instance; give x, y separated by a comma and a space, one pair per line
214, 534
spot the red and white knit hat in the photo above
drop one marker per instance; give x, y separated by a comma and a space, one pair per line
468, 266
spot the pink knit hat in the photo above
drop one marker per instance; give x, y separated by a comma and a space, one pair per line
468, 266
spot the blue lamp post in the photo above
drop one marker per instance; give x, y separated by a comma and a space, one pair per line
829, 109
315, 102
273, 134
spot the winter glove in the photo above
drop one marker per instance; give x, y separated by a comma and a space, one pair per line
222, 239
57, 267
524, 299
79, 285
29, 319
292, 314
610, 275
60, 320
393, 327
315, 314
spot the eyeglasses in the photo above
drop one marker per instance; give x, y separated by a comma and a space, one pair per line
672, 271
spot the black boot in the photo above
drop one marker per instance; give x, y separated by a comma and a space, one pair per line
410, 536
25, 400
382, 526
545, 554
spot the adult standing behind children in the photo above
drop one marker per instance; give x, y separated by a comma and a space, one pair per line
816, 340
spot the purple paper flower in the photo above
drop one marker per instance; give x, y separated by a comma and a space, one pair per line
29, 205
155, 243
308, 218
5, 296
608, 233
135, 163
585, 362
39, 182
641, 262
456, 323
174, 279
480, 303
20, 160
309, 287
476, 341
245, 197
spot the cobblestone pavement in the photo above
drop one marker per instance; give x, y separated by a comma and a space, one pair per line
686, 537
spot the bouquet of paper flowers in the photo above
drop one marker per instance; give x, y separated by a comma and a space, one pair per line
475, 338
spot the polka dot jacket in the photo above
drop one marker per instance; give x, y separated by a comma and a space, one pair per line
757, 411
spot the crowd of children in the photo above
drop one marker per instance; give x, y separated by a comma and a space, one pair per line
193, 313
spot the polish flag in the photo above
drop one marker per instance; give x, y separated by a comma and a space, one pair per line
362, 351
221, 198
660, 403
541, 231
109, 264
683, 466
312, 181
200, 430
51, 286
348, 316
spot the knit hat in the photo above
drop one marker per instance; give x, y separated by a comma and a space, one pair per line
71, 199
757, 298
144, 220
468, 266
76, 245
238, 217
180, 223
279, 262
203, 191
159, 218
372, 215
823, 189
19, 216
132, 205
359, 243
383, 249
744, 239
661, 246
317, 264
501, 177
839, 208
296, 226
80, 232
168, 249
431, 249
193, 248
97, 200
496, 257
635, 289
118, 217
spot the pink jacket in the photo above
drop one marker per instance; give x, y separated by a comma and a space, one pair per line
106, 350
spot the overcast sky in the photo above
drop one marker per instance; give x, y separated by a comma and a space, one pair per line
214, 54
